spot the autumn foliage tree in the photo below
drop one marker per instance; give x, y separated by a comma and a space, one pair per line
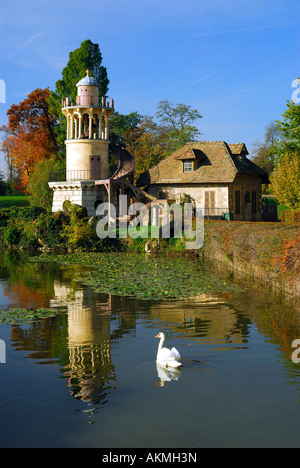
29, 136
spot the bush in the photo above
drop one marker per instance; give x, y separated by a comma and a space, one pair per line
48, 229
33, 227
288, 216
26, 213
4, 217
75, 211
11, 235
79, 234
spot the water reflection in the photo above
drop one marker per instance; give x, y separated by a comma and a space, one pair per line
81, 340
206, 317
166, 374
90, 374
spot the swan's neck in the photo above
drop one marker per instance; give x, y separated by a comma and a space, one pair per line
161, 342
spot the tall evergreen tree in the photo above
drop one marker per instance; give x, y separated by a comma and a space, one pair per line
86, 57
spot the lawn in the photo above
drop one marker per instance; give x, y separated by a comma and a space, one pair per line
13, 200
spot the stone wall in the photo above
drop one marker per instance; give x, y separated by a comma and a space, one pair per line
80, 193
267, 252
196, 192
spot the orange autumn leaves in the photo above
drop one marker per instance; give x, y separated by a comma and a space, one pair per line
29, 136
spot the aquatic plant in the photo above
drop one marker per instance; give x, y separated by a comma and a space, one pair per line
25, 316
153, 277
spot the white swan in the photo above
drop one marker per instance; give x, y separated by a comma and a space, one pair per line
166, 357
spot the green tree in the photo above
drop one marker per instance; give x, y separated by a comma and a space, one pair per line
285, 180
123, 126
149, 143
86, 57
40, 192
178, 120
289, 128
265, 151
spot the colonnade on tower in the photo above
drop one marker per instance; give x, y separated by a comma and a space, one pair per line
91, 123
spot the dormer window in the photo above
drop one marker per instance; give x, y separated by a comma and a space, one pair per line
188, 165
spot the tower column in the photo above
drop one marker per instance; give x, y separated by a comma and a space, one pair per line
106, 128
72, 124
90, 127
100, 127
76, 128
80, 126
68, 127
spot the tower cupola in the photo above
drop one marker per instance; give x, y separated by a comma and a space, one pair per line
87, 91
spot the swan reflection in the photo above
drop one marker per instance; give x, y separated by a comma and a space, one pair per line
166, 374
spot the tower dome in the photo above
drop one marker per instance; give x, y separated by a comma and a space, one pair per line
87, 81
88, 91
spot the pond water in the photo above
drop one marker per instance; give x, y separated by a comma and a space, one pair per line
88, 378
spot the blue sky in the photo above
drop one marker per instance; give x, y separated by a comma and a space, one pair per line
234, 60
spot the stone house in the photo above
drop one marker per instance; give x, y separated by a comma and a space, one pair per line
217, 177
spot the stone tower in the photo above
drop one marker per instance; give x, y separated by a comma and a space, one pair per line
87, 148
87, 132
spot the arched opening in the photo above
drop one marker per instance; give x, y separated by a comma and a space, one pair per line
97, 203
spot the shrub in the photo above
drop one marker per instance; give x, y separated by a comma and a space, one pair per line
76, 211
11, 235
48, 229
26, 213
4, 217
77, 232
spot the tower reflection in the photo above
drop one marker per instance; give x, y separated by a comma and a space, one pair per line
90, 374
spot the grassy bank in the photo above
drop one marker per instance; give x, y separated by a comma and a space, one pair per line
13, 200
266, 251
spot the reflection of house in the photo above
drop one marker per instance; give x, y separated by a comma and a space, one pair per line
218, 178
205, 315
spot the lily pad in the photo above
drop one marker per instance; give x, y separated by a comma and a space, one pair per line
144, 277
24, 316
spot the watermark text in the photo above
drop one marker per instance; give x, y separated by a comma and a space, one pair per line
2, 352
158, 219
296, 93
296, 353
2, 92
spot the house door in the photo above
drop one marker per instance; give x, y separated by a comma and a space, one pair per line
95, 167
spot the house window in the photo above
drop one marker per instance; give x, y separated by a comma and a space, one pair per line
237, 198
188, 165
164, 194
254, 202
209, 203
